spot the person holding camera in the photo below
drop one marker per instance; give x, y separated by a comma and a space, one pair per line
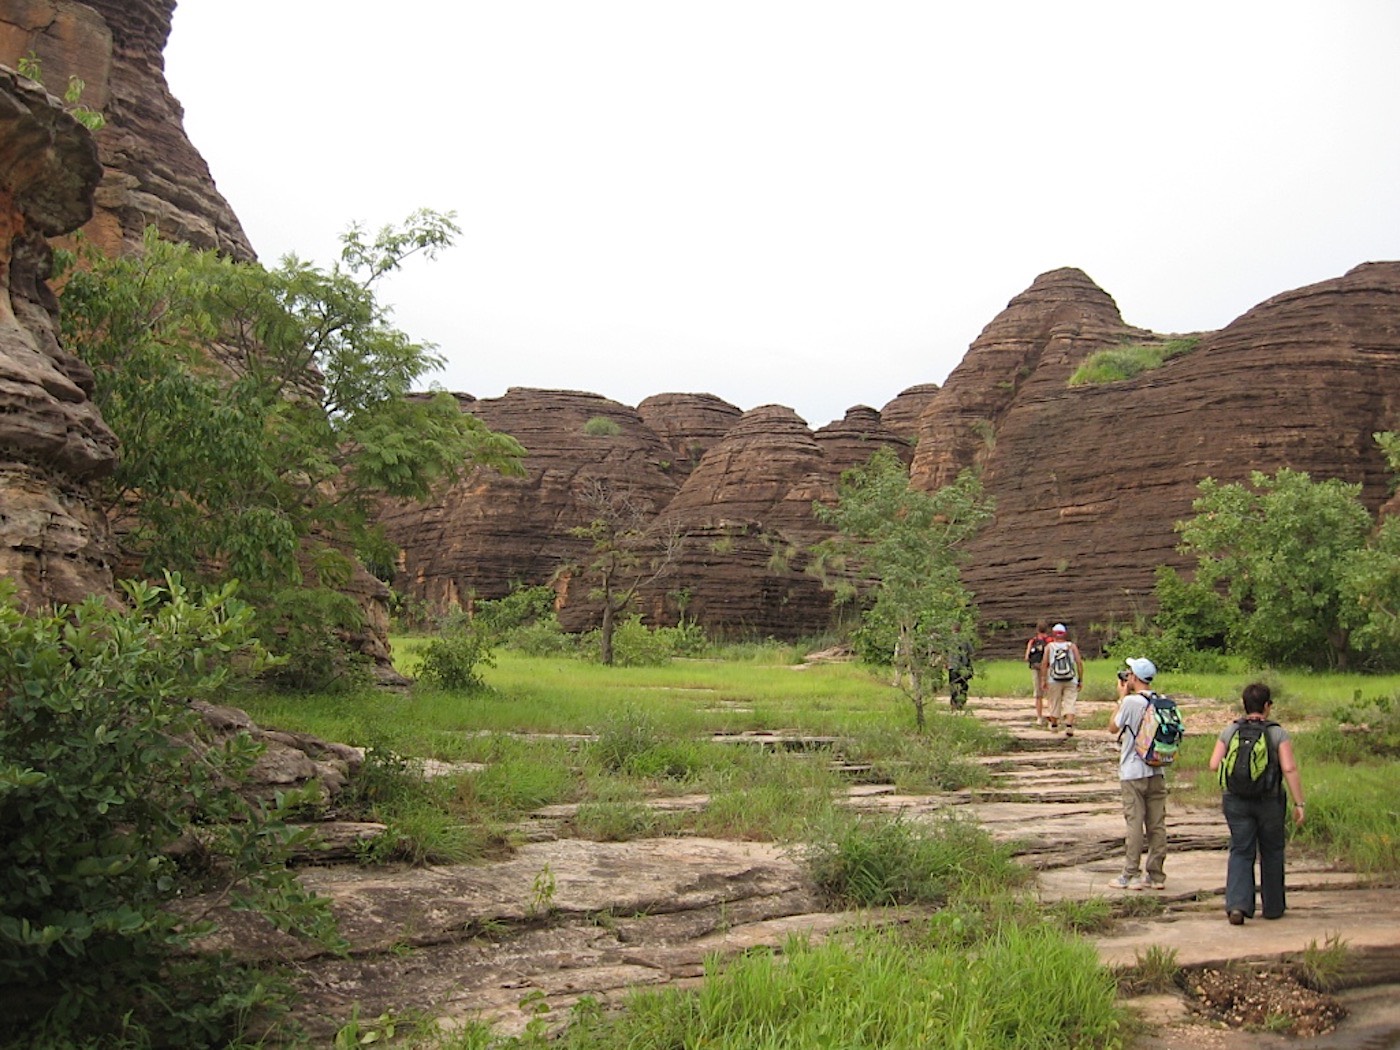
1144, 788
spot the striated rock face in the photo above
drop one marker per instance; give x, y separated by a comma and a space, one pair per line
689, 423
152, 173
54, 542
1089, 480
902, 414
492, 531
744, 510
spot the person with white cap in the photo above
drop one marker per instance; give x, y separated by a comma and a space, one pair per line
1144, 787
1061, 675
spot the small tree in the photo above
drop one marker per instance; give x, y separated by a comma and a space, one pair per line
902, 547
263, 413
1279, 549
628, 550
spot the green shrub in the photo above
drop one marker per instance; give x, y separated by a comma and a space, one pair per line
634, 643
544, 637
454, 658
1128, 360
96, 786
308, 629
601, 426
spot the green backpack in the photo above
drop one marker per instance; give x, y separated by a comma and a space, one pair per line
1251, 768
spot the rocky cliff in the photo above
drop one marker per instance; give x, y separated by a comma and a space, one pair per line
151, 173
1089, 480
54, 543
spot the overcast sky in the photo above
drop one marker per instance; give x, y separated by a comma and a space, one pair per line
792, 201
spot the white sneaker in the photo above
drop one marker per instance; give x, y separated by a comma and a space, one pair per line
1141, 882
1125, 882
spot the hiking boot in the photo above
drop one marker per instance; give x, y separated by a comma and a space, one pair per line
1236, 918
1124, 882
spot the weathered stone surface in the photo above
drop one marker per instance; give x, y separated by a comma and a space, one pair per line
564, 918
689, 423
54, 541
902, 414
152, 175
851, 441
479, 537
1089, 480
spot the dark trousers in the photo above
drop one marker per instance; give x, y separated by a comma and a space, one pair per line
1256, 830
957, 690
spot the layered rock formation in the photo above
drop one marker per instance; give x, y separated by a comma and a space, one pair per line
1089, 480
152, 174
54, 543
744, 512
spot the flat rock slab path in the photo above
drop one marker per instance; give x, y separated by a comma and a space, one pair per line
566, 918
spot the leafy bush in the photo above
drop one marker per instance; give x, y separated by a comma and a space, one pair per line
309, 632
452, 660
1128, 360
601, 426
96, 787
545, 637
634, 643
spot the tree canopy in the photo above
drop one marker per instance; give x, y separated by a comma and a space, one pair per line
263, 412
898, 549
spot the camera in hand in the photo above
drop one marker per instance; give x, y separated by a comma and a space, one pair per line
1122, 676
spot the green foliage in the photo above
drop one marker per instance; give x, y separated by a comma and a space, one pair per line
633, 643
1189, 632
601, 426
1324, 967
454, 659
907, 545
874, 863
262, 413
96, 786
1128, 360
30, 66
313, 628
1014, 987
1279, 551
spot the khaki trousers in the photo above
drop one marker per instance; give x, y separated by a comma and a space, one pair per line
1145, 814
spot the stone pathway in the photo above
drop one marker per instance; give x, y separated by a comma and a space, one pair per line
565, 918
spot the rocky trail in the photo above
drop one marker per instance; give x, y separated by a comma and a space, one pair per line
566, 918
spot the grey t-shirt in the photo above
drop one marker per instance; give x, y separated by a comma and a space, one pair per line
1129, 717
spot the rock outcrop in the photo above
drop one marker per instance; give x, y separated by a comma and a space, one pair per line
152, 174
54, 541
1089, 480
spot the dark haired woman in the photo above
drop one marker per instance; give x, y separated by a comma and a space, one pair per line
1256, 813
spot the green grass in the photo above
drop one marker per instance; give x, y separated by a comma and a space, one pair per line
1128, 360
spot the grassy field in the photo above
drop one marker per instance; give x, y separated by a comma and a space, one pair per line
552, 730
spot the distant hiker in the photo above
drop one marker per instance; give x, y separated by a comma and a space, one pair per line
959, 667
1035, 656
1144, 787
1061, 675
1254, 757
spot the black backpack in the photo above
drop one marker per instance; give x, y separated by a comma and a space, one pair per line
1037, 651
1251, 768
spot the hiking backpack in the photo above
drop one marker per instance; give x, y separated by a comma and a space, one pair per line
1037, 651
1062, 667
1160, 732
1251, 767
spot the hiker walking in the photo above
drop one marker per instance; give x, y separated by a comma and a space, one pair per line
1254, 757
1144, 787
1035, 656
959, 667
1061, 675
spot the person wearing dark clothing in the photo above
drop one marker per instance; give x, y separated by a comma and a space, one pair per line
1257, 816
1035, 656
959, 668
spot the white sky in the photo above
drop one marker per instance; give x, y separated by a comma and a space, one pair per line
794, 201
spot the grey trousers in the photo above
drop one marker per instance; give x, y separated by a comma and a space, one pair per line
1145, 814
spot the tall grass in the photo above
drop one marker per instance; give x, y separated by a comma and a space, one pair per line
1022, 986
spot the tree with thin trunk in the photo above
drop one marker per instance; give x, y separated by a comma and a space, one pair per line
629, 549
